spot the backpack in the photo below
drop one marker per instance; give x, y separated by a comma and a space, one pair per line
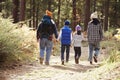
47, 27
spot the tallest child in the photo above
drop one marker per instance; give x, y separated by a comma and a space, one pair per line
65, 36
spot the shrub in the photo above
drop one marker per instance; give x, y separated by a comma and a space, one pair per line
114, 56
15, 43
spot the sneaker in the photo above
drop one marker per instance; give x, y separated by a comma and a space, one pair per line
91, 62
46, 63
62, 62
41, 60
95, 58
77, 61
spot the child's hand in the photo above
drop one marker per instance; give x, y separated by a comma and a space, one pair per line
57, 40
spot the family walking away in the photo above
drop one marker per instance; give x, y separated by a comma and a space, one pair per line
94, 35
47, 28
45, 31
65, 37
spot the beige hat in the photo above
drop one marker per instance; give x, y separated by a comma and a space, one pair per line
94, 15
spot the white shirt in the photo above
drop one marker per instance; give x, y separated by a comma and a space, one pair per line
76, 40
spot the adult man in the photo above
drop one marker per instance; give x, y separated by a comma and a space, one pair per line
45, 32
95, 35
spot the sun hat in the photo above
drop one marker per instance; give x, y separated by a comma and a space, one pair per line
94, 15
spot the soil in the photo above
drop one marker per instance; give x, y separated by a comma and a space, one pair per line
54, 71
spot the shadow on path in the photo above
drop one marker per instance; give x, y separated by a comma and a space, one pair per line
76, 67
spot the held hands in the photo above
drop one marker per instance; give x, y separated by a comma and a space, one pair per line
38, 40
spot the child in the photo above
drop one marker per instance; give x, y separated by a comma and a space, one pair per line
65, 36
77, 38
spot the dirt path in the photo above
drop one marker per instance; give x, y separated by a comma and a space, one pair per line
55, 71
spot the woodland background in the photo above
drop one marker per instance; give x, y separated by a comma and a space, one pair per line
77, 11
19, 49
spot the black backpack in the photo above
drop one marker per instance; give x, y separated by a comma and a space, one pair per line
46, 27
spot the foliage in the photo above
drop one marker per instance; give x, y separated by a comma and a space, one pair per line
114, 56
117, 35
111, 45
12, 42
109, 34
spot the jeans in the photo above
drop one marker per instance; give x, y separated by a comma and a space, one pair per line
77, 51
63, 48
93, 47
47, 45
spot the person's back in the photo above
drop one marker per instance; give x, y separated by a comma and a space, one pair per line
47, 28
77, 37
45, 32
76, 40
94, 35
66, 35
94, 31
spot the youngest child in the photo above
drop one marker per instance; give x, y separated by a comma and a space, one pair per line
76, 41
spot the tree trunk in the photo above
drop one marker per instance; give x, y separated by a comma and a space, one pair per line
106, 13
74, 13
115, 14
58, 19
15, 11
37, 13
87, 14
94, 7
22, 10
1, 5
30, 21
49, 5
34, 11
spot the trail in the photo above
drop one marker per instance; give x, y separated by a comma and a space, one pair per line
55, 71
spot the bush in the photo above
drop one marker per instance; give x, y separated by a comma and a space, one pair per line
14, 42
114, 56
109, 34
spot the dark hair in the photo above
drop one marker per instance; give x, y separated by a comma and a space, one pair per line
67, 22
79, 32
95, 21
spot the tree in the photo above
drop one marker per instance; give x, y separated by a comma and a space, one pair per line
87, 13
30, 14
74, 13
37, 13
22, 10
16, 11
114, 13
94, 5
49, 5
34, 11
106, 13
59, 5
1, 5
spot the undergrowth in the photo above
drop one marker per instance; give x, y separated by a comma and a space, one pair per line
112, 46
16, 44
